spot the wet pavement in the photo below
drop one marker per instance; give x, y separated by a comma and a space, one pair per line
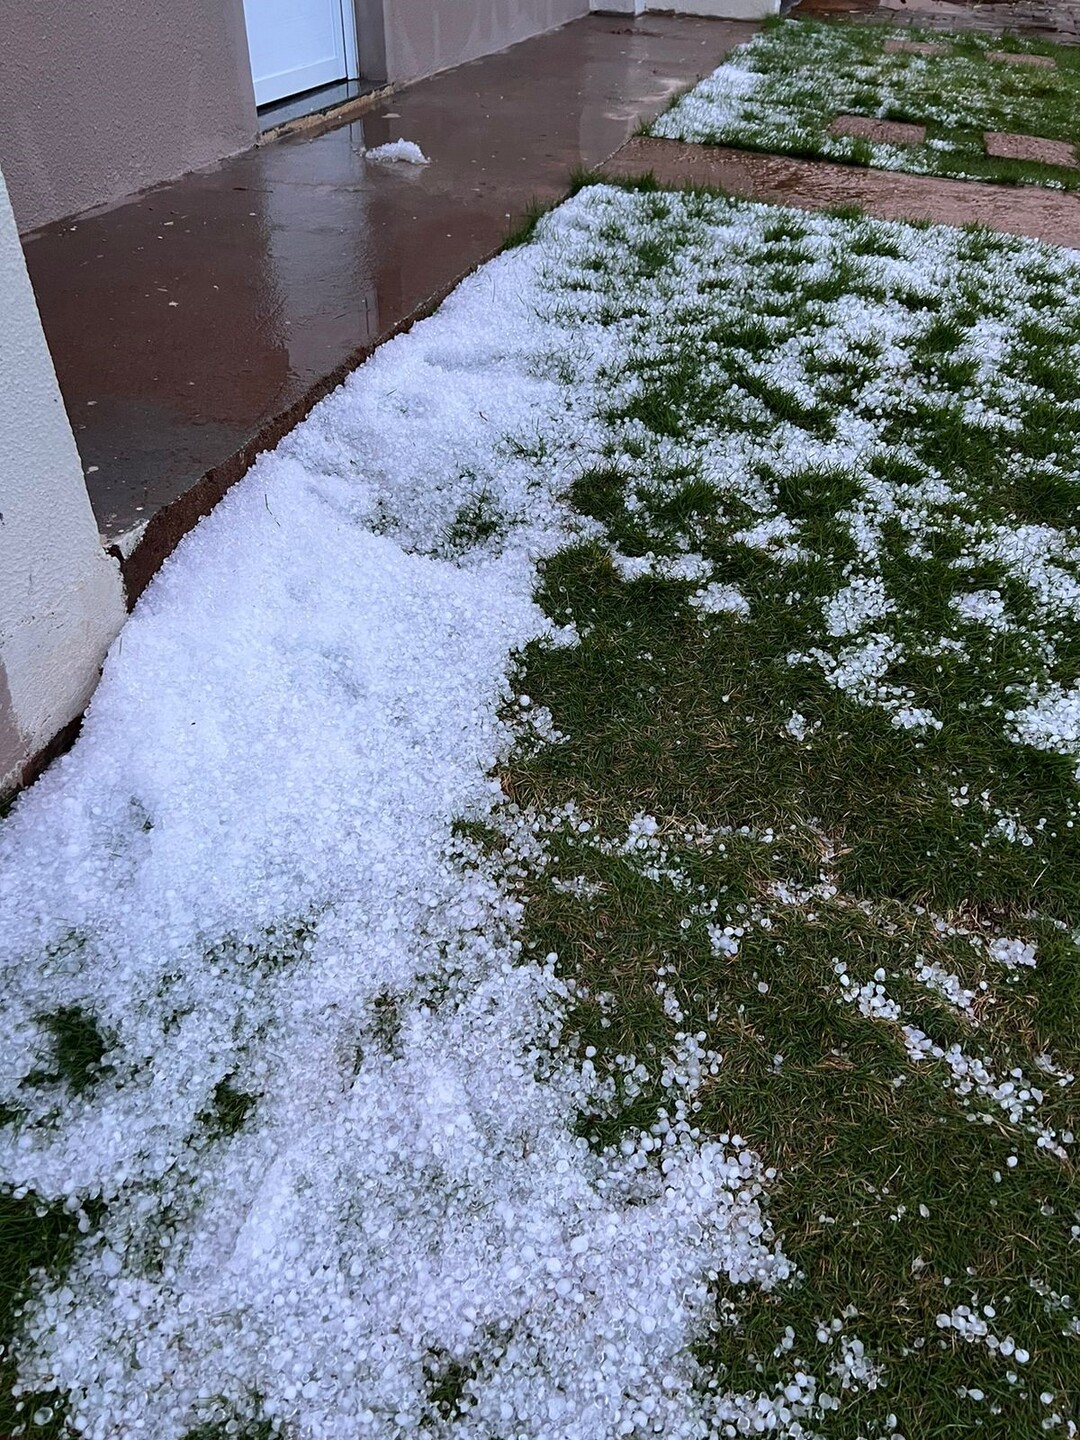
195, 325
890, 195
1057, 20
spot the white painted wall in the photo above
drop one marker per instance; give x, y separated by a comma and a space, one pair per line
61, 596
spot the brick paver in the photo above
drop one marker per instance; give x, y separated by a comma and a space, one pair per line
1004, 146
914, 47
1010, 57
886, 132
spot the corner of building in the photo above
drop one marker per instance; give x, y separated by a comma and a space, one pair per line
61, 596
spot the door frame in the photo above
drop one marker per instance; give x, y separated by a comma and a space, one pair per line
369, 28
349, 35
352, 54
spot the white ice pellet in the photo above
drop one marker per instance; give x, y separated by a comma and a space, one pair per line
405, 152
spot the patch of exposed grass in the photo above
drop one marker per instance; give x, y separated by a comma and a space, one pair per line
843, 854
34, 1237
447, 1384
475, 523
77, 1049
827, 1097
231, 1108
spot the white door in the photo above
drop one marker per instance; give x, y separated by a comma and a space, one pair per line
296, 45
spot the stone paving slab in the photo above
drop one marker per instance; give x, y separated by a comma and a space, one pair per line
887, 194
1004, 146
1010, 57
884, 132
915, 47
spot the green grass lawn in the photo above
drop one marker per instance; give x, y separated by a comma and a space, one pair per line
782, 91
789, 886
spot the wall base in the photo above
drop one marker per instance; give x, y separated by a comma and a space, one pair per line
723, 9
61, 597
716, 9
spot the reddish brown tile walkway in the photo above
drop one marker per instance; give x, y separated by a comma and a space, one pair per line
885, 132
1029, 147
812, 185
194, 323
1047, 19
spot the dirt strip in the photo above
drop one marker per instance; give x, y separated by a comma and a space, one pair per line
815, 185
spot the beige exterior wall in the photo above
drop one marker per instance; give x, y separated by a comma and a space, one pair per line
100, 98
61, 598
424, 36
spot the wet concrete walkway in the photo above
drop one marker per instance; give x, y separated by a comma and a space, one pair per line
193, 326
815, 185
